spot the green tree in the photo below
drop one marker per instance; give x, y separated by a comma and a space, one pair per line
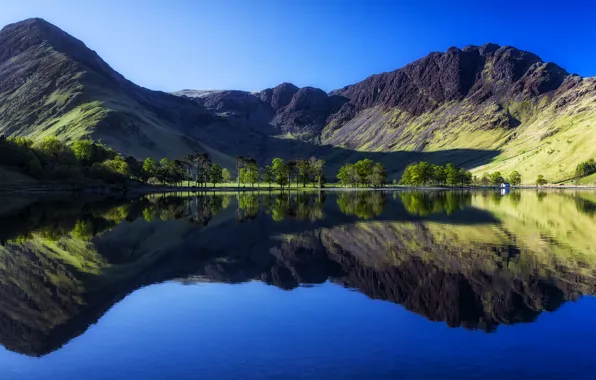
439, 174
364, 168
150, 167
407, 177
453, 175
84, 151
215, 174
226, 176
317, 167
515, 178
465, 177
252, 173
281, 171
268, 175
170, 171
379, 175
343, 176
50, 146
496, 178
584, 169
540, 180
348, 175
204, 164
485, 179
118, 165
304, 172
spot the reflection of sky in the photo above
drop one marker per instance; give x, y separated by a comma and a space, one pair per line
254, 331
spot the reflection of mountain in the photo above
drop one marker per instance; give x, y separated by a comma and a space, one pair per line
469, 259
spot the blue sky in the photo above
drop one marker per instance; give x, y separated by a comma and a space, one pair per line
254, 44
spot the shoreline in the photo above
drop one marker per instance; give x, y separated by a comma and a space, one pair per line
65, 188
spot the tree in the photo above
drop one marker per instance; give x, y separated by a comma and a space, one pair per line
584, 169
439, 174
170, 171
226, 176
379, 175
465, 177
150, 167
252, 173
50, 146
515, 178
407, 177
364, 168
240, 162
292, 170
215, 174
343, 175
118, 165
540, 180
84, 151
204, 164
304, 172
348, 175
496, 178
267, 175
136, 167
317, 167
453, 175
281, 171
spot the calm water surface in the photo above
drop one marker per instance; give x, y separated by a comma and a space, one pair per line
376, 285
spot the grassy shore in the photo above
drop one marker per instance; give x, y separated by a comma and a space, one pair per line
139, 188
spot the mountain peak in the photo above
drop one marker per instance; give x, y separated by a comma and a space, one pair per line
37, 34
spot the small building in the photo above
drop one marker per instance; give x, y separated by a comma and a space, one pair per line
505, 185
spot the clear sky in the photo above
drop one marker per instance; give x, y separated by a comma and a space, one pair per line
255, 44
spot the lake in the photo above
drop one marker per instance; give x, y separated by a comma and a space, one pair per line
307, 285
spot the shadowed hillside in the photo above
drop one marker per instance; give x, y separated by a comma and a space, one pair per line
484, 107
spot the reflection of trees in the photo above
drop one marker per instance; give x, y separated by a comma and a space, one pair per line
54, 220
585, 206
364, 205
427, 203
541, 195
310, 207
515, 197
248, 206
301, 206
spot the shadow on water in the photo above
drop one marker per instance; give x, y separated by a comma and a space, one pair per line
455, 256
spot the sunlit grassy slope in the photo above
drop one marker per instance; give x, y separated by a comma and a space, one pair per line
555, 132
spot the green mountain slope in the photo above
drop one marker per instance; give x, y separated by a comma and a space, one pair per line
482, 107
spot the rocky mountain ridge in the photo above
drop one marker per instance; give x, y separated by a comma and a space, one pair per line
484, 107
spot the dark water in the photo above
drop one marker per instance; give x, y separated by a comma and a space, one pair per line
456, 285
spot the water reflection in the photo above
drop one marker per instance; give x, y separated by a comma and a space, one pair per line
471, 259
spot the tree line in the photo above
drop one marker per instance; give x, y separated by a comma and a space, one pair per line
424, 173
283, 173
365, 172
514, 178
52, 159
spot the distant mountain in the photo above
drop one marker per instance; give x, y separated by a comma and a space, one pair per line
484, 107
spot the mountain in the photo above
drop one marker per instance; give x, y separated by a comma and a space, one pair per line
484, 107
52, 84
